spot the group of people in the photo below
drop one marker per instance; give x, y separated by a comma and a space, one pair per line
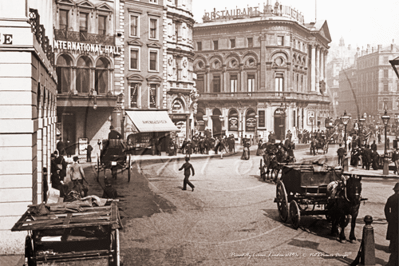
203, 144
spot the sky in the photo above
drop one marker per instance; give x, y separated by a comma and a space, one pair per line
359, 22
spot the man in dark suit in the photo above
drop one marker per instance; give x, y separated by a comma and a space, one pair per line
395, 160
374, 146
341, 154
113, 134
391, 214
366, 157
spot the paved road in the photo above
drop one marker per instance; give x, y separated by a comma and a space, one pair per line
230, 218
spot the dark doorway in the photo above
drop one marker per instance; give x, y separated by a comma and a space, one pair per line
69, 132
279, 124
216, 123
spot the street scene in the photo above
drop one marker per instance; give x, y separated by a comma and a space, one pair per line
185, 132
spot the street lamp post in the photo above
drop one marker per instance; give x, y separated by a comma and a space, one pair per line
361, 123
345, 120
385, 119
284, 117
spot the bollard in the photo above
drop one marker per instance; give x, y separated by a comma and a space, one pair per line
368, 245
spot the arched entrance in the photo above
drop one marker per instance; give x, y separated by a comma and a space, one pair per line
216, 124
279, 123
233, 122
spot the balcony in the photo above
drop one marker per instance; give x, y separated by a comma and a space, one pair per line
265, 96
84, 37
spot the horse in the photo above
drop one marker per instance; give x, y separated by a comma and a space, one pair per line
345, 202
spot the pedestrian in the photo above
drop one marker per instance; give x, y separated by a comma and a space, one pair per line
341, 155
88, 154
109, 191
113, 134
61, 147
395, 160
78, 175
391, 214
188, 167
374, 146
366, 157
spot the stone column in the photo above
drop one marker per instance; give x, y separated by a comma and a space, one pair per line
317, 88
208, 81
313, 69
242, 79
322, 64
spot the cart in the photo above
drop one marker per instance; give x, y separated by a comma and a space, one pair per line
89, 236
113, 156
302, 191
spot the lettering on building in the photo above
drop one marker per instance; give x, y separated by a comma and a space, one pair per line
155, 122
86, 47
6, 39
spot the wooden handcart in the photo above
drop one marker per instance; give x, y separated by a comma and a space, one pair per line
71, 234
114, 156
302, 190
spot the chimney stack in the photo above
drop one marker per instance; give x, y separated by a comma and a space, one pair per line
372, 49
379, 47
393, 48
349, 47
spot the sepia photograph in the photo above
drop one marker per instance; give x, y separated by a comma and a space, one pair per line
198, 132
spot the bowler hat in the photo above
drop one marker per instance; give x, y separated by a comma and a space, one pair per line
396, 188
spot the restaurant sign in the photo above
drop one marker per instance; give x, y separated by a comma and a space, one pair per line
233, 123
86, 47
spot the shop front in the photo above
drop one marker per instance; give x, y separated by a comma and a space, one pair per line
148, 132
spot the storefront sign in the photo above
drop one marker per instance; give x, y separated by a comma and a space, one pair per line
262, 121
86, 47
83, 142
155, 122
233, 123
251, 123
279, 111
233, 13
178, 117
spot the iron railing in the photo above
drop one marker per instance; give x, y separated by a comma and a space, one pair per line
40, 33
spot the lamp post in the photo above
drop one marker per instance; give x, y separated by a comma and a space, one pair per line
345, 120
284, 116
385, 119
361, 123
311, 120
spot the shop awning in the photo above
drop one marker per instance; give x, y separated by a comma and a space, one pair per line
151, 121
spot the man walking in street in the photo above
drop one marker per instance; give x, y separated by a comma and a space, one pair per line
374, 146
391, 214
366, 157
78, 175
188, 167
395, 160
341, 155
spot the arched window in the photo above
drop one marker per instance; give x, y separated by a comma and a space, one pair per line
64, 64
102, 74
83, 75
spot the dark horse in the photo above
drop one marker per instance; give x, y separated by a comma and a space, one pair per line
345, 203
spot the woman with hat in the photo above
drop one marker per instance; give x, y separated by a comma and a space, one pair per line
391, 214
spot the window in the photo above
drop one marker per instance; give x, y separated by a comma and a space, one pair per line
279, 82
134, 59
232, 43
199, 46
251, 82
64, 19
134, 25
153, 96
101, 81
200, 83
233, 83
250, 42
215, 45
262, 118
83, 22
154, 1
134, 87
153, 28
216, 84
64, 65
83, 75
385, 73
102, 25
386, 87
280, 40
153, 60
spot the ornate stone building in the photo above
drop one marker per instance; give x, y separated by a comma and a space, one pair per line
88, 58
179, 82
28, 91
260, 70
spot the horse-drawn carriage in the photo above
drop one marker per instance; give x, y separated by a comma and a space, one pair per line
306, 189
113, 156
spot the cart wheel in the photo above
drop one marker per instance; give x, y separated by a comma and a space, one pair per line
29, 251
282, 202
295, 213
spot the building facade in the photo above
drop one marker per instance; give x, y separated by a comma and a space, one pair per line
370, 86
179, 78
28, 90
260, 70
88, 60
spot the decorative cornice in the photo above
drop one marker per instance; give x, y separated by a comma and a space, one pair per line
135, 77
134, 42
154, 45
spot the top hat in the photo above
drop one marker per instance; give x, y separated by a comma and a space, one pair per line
396, 188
